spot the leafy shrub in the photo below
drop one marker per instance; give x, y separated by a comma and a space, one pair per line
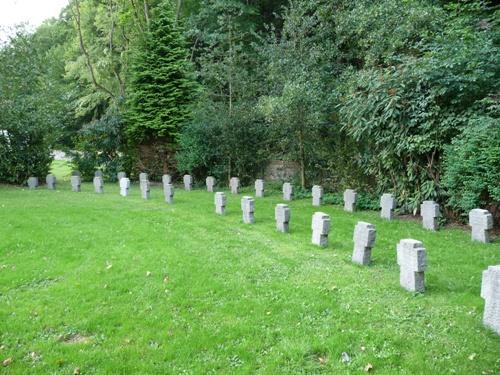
472, 166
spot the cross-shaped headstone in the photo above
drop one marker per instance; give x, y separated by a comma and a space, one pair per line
430, 214
98, 185
210, 181
388, 204
364, 239
287, 191
282, 217
317, 195
234, 184
248, 208
481, 222
76, 183
320, 228
412, 260
259, 188
220, 203
490, 292
350, 197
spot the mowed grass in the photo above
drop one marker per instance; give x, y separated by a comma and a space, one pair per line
114, 285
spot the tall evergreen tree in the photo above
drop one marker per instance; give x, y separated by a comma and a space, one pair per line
160, 86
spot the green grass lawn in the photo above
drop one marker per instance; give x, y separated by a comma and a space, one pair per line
114, 285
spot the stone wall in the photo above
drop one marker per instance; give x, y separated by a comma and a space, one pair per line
281, 170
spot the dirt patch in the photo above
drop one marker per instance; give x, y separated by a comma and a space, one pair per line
74, 338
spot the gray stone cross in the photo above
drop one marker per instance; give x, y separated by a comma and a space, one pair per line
388, 204
124, 186
220, 203
166, 179
210, 181
234, 184
32, 182
51, 180
98, 185
259, 188
248, 208
143, 176
188, 182
320, 228
317, 195
282, 217
430, 214
350, 197
490, 292
287, 191
364, 239
145, 188
481, 222
168, 191
412, 260
76, 183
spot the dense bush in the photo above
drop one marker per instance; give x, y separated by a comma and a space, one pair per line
472, 166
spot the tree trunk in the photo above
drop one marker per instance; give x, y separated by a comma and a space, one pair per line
302, 160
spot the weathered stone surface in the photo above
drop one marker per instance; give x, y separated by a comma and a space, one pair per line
143, 176
287, 191
76, 183
481, 222
282, 217
32, 182
364, 239
320, 228
98, 173
168, 191
124, 186
317, 195
120, 175
98, 185
412, 260
145, 188
51, 181
188, 182
234, 185
248, 208
429, 210
210, 182
166, 179
490, 292
350, 197
387, 205
220, 203
259, 188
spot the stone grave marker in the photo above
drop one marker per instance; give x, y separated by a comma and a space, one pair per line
98, 184
51, 181
220, 203
188, 182
317, 195
350, 197
32, 183
364, 240
145, 188
234, 184
166, 179
282, 217
287, 191
124, 186
387, 204
259, 188
248, 208
490, 292
210, 182
412, 260
168, 191
76, 183
430, 214
320, 228
481, 222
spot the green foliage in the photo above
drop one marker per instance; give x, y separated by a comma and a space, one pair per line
160, 88
472, 166
403, 115
99, 144
29, 121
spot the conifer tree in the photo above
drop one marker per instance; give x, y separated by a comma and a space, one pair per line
160, 85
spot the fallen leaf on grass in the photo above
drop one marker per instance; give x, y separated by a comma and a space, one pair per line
148, 274
368, 367
7, 362
472, 356
323, 360
108, 265
166, 279
76, 371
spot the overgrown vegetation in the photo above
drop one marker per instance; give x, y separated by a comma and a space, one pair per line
382, 96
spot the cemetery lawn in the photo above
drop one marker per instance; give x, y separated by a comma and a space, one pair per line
113, 285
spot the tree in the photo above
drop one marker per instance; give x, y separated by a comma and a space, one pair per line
160, 84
